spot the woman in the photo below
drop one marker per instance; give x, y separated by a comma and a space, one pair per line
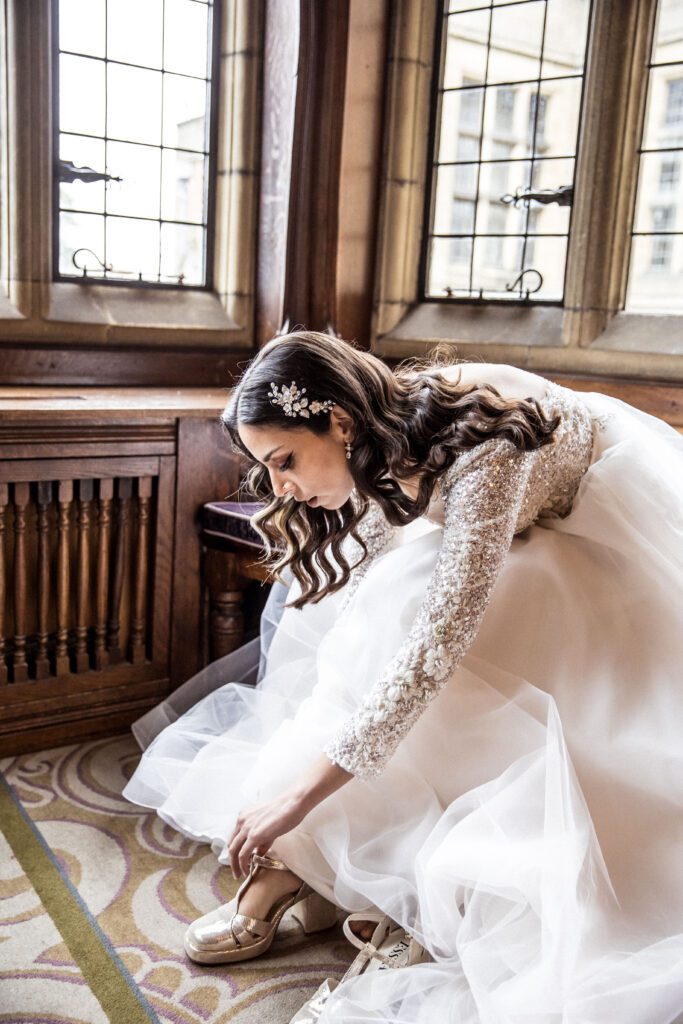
469, 714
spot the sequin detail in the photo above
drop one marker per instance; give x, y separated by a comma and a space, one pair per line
489, 493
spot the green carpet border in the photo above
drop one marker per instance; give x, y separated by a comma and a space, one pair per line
109, 979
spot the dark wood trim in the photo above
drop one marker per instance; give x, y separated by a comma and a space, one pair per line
121, 367
206, 470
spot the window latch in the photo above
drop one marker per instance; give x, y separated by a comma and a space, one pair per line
68, 172
563, 196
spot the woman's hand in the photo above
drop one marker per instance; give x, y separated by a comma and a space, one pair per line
257, 828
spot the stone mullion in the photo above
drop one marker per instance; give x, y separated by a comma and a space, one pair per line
607, 167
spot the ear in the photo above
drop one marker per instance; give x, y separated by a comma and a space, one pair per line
341, 423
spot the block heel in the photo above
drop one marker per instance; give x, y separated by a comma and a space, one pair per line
315, 913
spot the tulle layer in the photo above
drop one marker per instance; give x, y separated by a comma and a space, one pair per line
528, 830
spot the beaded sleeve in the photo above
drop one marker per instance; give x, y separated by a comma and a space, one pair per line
482, 503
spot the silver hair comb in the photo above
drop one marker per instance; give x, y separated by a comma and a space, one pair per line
293, 402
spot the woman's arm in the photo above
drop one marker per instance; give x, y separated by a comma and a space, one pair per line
482, 506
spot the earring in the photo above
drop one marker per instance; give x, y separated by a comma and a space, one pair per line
347, 445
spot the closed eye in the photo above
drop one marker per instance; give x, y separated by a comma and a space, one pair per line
286, 464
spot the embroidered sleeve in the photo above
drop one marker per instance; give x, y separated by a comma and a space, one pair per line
483, 494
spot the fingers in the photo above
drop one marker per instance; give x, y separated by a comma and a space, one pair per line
241, 849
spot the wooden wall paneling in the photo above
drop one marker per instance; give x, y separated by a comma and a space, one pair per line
44, 500
65, 497
20, 664
106, 496
85, 495
163, 541
137, 633
4, 501
206, 469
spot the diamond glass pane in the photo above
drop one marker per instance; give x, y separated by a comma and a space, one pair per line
656, 274
664, 112
137, 194
508, 129
449, 265
185, 108
134, 105
668, 45
659, 190
82, 26
182, 252
134, 245
134, 31
182, 186
81, 95
563, 51
185, 37
466, 51
516, 42
79, 231
655, 280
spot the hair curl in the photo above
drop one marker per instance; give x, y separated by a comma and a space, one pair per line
406, 419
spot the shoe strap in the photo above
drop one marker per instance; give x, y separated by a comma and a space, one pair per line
369, 915
264, 861
252, 925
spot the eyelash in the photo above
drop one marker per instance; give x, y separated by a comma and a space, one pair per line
286, 464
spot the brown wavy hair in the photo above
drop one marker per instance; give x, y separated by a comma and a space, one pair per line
406, 419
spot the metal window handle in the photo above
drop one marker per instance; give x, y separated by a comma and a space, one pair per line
68, 172
563, 196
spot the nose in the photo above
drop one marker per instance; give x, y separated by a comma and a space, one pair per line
280, 486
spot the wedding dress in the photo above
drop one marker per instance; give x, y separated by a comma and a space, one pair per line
504, 679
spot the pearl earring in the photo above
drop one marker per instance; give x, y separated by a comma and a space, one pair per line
347, 445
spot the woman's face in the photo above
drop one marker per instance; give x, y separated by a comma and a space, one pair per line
313, 467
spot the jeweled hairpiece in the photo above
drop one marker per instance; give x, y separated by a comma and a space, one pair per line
293, 402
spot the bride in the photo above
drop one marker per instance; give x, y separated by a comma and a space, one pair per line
467, 719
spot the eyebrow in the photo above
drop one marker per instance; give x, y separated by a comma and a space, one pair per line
267, 457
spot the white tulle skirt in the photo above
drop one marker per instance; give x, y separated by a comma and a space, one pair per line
529, 829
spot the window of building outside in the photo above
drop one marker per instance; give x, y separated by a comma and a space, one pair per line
134, 128
656, 267
122, 216
511, 85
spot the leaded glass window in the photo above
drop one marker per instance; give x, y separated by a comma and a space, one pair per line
656, 267
134, 138
508, 88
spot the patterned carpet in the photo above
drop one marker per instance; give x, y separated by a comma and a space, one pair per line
95, 895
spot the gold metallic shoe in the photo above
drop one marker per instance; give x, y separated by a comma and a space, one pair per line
226, 936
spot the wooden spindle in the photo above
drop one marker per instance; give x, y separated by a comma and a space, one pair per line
124, 490
44, 497
4, 498
21, 498
85, 496
106, 492
137, 644
65, 497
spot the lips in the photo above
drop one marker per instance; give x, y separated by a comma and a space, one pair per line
312, 502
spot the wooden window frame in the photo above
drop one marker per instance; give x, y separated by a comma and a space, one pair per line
36, 310
590, 334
